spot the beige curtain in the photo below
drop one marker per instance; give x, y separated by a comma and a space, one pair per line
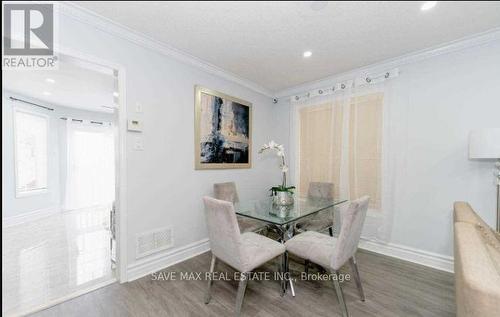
320, 145
341, 142
365, 148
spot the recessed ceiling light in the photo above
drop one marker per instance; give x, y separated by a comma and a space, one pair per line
307, 54
115, 94
50, 80
428, 5
46, 93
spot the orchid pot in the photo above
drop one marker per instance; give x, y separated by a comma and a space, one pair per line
283, 198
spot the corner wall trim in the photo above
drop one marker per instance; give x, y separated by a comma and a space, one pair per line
429, 259
165, 259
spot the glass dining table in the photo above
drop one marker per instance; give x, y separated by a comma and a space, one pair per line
282, 219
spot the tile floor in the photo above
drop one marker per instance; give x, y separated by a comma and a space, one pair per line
53, 257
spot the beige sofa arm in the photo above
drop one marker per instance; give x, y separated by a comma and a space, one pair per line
477, 264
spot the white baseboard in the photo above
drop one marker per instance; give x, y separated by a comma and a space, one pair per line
168, 258
62, 299
29, 216
433, 260
165, 259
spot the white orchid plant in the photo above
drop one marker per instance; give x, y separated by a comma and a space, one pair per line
280, 151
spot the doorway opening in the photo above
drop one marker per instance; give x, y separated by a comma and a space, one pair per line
60, 184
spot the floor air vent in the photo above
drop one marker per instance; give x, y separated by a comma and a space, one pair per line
153, 241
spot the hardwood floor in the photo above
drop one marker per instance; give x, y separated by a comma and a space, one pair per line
392, 288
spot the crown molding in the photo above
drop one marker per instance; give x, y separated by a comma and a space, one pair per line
104, 24
450, 47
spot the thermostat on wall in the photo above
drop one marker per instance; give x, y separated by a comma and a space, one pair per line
134, 125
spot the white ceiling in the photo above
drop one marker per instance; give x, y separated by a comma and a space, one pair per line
264, 41
75, 84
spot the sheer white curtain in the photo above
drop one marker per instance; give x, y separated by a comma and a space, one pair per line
90, 165
348, 137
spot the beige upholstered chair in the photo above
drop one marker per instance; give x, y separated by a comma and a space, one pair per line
324, 219
227, 191
242, 251
333, 253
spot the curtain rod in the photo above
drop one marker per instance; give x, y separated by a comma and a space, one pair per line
50, 109
81, 120
360, 81
31, 103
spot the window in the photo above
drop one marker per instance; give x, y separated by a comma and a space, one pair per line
341, 142
90, 166
31, 131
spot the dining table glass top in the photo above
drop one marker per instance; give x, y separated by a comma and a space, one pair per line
265, 210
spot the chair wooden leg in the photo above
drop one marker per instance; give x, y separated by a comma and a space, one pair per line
281, 271
357, 278
241, 293
208, 295
287, 271
340, 295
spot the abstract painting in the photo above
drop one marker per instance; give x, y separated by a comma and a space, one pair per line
222, 131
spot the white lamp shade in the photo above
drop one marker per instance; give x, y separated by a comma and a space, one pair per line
484, 144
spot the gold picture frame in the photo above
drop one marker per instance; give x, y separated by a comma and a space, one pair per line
235, 132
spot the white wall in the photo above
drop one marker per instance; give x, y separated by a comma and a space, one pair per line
163, 189
445, 97
448, 96
50, 200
